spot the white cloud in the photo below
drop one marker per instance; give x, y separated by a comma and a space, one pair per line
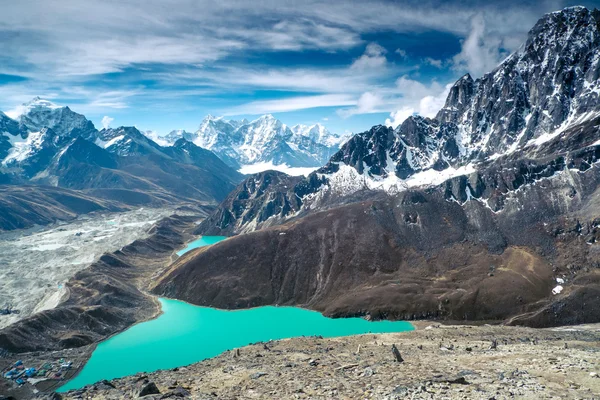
292, 104
401, 52
368, 102
106, 120
480, 52
418, 98
191, 46
398, 116
433, 62
373, 58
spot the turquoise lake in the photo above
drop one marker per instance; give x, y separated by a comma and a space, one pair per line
202, 241
184, 334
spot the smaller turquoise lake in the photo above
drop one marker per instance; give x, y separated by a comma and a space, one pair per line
202, 241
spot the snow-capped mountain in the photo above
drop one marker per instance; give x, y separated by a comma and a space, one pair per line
51, 145
126, 141
264, 140
549, 85
529, 118
39, 113
170, 138
40, 131
319, 134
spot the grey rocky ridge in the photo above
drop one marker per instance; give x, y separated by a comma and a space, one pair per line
479, 213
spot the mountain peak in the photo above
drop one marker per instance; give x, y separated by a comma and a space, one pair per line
37, 101
266, 117
211, 117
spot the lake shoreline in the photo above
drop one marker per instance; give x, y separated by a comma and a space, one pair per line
439, 360
163, 343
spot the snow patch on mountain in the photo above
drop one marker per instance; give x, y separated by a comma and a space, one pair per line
36, 103
266, 166
160, 140
23, 148
319, 134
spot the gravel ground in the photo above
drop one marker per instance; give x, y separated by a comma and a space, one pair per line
440, 362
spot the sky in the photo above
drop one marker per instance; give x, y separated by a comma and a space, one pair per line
164, 64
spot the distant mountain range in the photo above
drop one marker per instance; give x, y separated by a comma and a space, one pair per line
264, 140
49, 145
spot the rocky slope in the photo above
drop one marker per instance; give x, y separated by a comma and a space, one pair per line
449, 218
449, 362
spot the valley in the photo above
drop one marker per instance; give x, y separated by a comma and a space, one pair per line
37, 264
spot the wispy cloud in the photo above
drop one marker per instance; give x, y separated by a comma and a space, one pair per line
292, 104
110, 55
480, 52
417, 98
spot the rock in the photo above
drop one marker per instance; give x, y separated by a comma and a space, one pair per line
175, 393
105, 385
45, 396
144, 388
368, 372
257, 375
396, 353
460, 380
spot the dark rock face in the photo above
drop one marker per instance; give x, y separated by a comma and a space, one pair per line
261, 196
145, 388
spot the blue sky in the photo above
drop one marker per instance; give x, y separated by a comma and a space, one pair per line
163, 65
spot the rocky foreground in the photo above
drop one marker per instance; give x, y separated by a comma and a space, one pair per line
449, 362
